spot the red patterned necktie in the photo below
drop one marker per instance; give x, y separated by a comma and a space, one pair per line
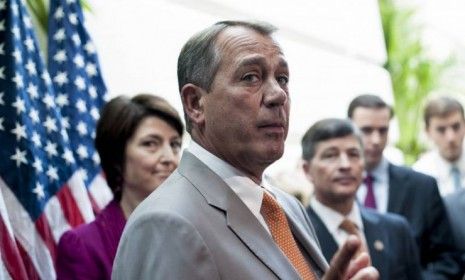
278, 225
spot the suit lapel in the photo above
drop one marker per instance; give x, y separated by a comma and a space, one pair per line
328, 244
397, 190
376, 241
238, 217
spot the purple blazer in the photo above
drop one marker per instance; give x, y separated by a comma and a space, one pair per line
88, 251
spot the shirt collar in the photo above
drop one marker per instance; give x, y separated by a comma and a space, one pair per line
380, 172
333, 219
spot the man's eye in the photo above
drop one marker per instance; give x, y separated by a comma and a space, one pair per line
283, 80
250, 78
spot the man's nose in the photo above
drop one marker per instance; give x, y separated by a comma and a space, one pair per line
275, 95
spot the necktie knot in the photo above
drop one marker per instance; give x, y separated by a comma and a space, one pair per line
278, 225
349, 227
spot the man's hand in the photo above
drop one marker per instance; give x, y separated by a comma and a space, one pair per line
345, 265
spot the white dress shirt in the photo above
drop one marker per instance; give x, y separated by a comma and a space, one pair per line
380, 186
248, 191
433, 164
333, 219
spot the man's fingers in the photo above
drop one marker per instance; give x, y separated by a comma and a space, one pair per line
362, 261
340, 263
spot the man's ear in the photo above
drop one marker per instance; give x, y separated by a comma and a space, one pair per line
193, 100
306, 169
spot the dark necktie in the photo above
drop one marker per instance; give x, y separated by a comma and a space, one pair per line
278, 225
370, 200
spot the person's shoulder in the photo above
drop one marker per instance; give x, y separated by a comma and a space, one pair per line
409, 173
388, 220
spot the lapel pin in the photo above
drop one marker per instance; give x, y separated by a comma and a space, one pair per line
378, 244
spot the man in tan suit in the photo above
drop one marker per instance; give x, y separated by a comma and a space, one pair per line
213, 218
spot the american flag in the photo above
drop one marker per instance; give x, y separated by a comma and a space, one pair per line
42, 192
75, 72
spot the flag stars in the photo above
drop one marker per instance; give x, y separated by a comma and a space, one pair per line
81, 128
80, 83
39, 191
76, 39
65, 122
82, 152
31, 67
14, 8
96, 159
81, 105
51, 149
49, 101
2, 5
19, 131
61, 78
36, 139
34, 115
62, 100
68, 156
79, 61
94, 113
18, 80
73, 18
2, 128
90, 48
83, 173
52, 173
59, 13
2, 72
91, 69
2, 25
19, 105
46, 77
19, 157
16, 32
2, 48
32, 91
29, 44
60, 56
17, 55
59, 35
1, 98
92, 92
50, 124
64, 134
27, 22
37, 164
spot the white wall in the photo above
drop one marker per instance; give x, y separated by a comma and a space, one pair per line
335, 50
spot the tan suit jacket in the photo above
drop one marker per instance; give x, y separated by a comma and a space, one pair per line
195, 227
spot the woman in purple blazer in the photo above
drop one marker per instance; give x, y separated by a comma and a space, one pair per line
138, 141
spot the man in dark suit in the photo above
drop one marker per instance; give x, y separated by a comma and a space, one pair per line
212, 219
397, 189
334, 163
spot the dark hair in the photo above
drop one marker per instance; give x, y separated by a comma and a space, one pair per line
326, 129
368, 101
200, 58
441, 107
119, 119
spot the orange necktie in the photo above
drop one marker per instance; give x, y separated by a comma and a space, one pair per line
280, 231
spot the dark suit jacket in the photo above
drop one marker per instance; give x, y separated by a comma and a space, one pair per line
88, 251
195, 227
416, 197
398, 257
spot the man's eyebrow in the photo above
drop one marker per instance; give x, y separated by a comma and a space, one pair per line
256, 60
